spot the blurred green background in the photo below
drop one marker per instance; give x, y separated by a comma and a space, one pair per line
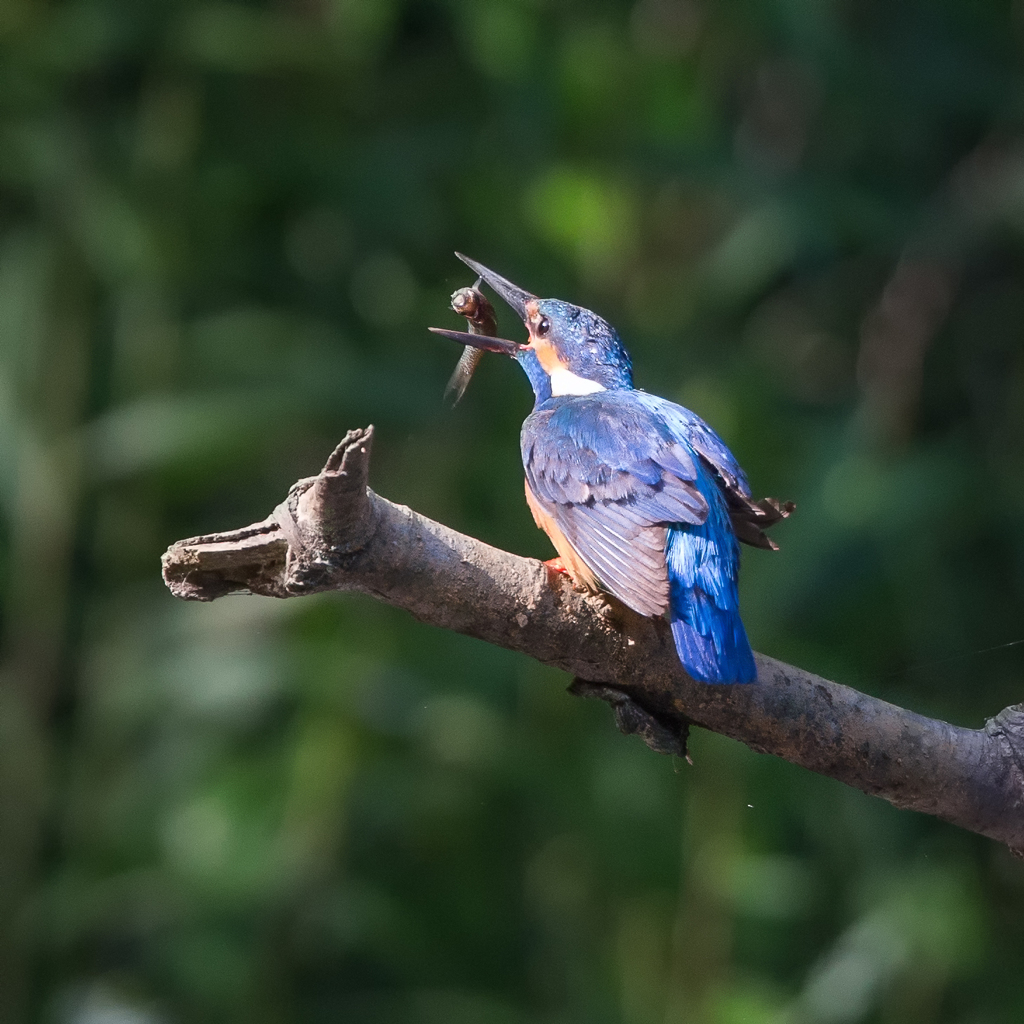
224, 229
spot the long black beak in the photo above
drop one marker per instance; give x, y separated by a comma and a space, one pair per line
506, 348
511, 293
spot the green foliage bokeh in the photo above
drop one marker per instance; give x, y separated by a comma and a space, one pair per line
224, 228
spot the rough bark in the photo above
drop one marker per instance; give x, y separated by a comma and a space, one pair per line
334, 533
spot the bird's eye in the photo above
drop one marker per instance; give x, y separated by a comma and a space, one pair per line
543, 326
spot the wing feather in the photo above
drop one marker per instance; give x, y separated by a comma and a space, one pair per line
637, 577
632, 540
613, 477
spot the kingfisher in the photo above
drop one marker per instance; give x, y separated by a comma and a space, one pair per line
641, 499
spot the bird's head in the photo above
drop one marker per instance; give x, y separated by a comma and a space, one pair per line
571, 351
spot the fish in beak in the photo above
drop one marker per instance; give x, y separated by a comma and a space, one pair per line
515, 296
472, 304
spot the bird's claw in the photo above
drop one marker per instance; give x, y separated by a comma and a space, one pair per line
664, 735
557, 566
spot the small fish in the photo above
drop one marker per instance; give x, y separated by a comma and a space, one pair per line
472, 304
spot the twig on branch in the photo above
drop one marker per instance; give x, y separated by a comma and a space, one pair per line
334, 533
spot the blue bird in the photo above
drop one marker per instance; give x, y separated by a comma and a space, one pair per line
640, 497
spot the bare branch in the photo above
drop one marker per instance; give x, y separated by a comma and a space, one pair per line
334, 533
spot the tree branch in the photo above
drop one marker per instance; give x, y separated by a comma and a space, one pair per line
334, 533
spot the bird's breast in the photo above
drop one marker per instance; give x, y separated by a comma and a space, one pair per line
575, 565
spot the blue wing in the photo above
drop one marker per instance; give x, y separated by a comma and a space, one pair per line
749, 518
612, 478
636, 485
702, 439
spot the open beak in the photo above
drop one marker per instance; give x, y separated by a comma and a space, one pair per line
501, 345
511, 293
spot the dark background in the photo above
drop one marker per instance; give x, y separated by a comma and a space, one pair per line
224, 229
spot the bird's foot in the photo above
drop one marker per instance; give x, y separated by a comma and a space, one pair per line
666, 735
559, 568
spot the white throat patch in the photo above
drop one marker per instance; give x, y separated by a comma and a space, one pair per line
564, 382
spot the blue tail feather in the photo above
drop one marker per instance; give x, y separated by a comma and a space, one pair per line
722, 654
712, 644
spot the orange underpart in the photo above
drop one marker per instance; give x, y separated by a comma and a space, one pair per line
568, 561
